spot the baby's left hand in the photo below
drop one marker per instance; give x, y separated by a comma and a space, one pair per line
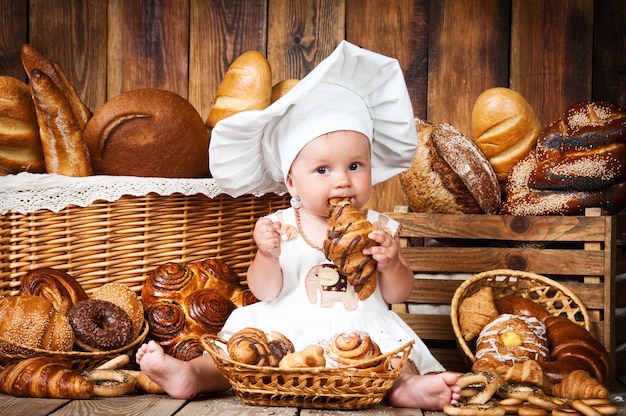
386, 253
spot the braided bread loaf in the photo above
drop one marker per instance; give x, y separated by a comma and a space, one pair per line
579, 162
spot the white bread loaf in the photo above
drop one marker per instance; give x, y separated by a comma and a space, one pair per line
504, 127
247, 85
20, 146
449, 174
148, 132
282, 87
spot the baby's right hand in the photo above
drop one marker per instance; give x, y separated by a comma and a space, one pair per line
267, 237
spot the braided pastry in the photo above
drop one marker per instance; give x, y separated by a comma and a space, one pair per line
255, 347
579, 162
310, 356
349, 348
346, 237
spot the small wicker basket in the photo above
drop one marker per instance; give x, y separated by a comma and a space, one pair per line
344, 388
11, 353
555, 297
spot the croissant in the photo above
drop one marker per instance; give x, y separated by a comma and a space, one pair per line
55, 285
254, 346
44, 377
475, 312
580, 385
346, 237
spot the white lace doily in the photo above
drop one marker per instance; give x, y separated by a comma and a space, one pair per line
28, 192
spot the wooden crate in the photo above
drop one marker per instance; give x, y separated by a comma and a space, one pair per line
585, 253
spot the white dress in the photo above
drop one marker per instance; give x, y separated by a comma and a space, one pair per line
313, 306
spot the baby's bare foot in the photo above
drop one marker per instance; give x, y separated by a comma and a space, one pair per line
428, 392
173, 375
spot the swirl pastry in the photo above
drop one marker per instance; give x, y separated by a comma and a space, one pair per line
254, 346
510, 339
55, 285
170, 280
207, 310
346, 237
349, 348
184, 301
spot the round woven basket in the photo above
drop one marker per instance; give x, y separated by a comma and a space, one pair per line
555, 297
345, 388
79, 360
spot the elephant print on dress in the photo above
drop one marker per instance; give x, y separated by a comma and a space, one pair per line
332, 287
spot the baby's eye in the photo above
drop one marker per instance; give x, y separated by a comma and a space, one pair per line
354, 166
322, 170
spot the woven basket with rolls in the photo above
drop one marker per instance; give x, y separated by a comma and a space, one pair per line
555, 297
122, 241
345, 388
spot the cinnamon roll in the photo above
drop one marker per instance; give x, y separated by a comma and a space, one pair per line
168, 281
207, 310
350, 348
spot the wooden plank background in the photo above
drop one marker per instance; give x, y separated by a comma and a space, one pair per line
553, 52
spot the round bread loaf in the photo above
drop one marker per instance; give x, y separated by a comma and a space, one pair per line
449, 174
148, 132
20, 147
504, 127
247, 85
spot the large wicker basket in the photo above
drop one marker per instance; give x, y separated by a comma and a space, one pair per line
555, 297
344, 388
123, 241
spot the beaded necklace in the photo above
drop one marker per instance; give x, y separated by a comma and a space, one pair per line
304, 237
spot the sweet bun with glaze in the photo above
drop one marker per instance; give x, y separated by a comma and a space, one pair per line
449, 174
148, 132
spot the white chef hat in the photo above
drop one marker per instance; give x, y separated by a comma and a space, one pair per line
352, 89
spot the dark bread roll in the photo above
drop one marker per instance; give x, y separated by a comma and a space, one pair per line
449, 174
148, 132
20, 146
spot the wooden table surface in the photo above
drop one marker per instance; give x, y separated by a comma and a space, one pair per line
226, 404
